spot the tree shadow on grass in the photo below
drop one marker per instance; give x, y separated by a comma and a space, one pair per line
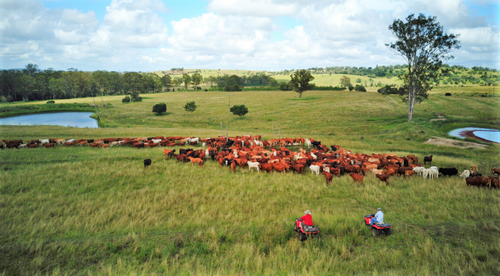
163, 114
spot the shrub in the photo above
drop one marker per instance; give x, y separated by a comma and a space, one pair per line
360, 88
190, 106
51, 102
239, 110
135, 97
9, 99
126, 99
160, 108
390, 89
351, 87
285, 86
232, 88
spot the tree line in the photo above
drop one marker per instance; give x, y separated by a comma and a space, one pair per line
31, 83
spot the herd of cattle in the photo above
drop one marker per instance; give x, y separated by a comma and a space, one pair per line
274, 155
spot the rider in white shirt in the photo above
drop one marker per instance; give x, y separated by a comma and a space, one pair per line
379, 217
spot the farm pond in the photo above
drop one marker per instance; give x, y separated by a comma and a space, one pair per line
67, 119
483, 134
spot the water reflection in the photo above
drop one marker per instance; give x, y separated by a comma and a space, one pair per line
71, 119
484, 134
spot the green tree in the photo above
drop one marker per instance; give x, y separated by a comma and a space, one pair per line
239, 110
186, 79
31, 69
345, 81
175, 82
166, 81
196, 78
26, 88
160, 108
424, 45
133, 82
190, 106
300, 81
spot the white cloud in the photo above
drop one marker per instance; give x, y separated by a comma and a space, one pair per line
133, 34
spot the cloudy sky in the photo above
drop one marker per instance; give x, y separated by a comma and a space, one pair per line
148, 35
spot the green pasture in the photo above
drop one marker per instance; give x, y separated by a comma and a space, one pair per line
91, 211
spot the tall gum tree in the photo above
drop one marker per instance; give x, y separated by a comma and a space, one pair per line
424, 45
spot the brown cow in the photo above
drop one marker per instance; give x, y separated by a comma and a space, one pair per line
409, 172
495, 171
196, 161
266, 167
357, 177
279, 167
328, 177
427, 159
494, 182
383, 177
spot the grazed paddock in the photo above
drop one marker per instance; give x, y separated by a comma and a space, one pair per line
79, 210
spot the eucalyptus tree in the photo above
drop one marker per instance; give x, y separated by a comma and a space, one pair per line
186, 79
424, 45
197, 79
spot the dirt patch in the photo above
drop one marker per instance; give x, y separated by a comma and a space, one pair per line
440, 118
443, 119
438, 141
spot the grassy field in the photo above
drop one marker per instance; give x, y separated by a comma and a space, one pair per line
87, 211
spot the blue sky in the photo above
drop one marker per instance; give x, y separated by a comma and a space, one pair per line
147, 35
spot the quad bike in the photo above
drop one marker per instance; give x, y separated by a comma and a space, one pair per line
378, 229
304, 230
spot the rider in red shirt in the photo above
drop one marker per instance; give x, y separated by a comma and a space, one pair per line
307, 218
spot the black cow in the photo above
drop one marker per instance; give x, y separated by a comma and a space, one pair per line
147, 162
184, 151
427, 159
333, 148
229, 143
448, 171
317, 144
447, 94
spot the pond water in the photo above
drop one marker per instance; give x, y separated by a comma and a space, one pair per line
71, 119
484, 134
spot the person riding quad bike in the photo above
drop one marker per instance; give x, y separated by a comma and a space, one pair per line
376, 221
304, 225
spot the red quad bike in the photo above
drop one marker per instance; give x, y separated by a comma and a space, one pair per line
304, 230
378, 229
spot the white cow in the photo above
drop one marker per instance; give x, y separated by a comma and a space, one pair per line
314, 169
314, 156
308, 143
253, 165
419, 170
465, 174
434, 172
191, 140
430, 172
